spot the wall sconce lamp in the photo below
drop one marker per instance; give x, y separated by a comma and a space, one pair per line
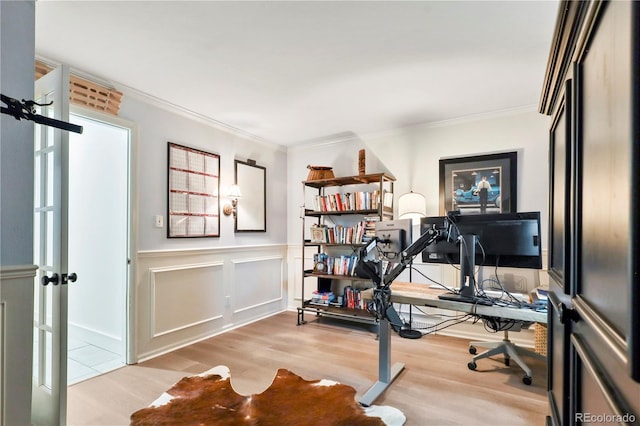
412, 205
234, 194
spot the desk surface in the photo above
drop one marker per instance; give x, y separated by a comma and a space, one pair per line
423, 295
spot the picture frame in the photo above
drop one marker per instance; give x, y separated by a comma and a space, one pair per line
193, 186
461, 183
318, 233
251, 214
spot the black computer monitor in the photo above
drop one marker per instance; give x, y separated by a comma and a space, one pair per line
503, 239
497, 239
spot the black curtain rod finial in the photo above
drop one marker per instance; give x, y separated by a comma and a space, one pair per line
25, 110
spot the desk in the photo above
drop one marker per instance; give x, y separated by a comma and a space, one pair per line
423, 295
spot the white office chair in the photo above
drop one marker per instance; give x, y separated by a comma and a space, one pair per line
508, 349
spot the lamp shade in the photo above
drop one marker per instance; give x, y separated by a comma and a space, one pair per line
234, 191
412, 205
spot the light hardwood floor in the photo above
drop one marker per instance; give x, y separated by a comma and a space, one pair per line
435, 388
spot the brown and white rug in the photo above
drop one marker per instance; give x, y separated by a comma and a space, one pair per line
209, 399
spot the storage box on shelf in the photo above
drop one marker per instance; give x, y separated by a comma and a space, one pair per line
338, 220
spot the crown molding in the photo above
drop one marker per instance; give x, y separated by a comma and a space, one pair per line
201, 118
335, 139
167, 106
483, 116
452, 122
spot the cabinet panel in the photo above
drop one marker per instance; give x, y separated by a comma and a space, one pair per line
560, 190
557, 353
605, 168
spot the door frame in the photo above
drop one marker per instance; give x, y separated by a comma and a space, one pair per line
130, 304
49, 387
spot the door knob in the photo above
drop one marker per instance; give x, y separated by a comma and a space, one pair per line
71, 277
53, 279
563, 312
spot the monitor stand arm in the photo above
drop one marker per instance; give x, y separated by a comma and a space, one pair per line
381, 306
407, 255
468, 265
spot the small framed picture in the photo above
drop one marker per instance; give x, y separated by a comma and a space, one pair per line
319, 234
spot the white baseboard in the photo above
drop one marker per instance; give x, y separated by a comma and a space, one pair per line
96, 338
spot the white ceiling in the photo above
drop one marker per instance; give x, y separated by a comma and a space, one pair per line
293, 71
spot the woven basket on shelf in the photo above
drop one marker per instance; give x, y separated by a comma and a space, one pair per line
320, 172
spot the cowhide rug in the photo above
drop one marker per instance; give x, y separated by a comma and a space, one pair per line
209, 399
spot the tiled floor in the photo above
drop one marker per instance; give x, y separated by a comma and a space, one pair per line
86, 361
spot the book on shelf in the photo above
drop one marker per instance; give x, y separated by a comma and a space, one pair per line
369, 228
352, 201
338, 234
335, 265
352, 298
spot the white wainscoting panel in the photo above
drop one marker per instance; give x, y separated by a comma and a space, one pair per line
310, 285
185, 296
257, 282
16, 333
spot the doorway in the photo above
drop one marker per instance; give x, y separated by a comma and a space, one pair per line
99, 245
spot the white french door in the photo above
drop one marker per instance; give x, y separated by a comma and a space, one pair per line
50, 252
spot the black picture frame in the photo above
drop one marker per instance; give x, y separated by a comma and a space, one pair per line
459, 178
251, 215
193, 186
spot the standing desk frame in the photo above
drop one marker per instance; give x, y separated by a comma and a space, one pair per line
423, 295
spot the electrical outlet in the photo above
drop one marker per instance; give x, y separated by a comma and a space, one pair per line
159, 221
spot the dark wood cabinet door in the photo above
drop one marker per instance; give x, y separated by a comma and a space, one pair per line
606, 329
593, 92
560, 209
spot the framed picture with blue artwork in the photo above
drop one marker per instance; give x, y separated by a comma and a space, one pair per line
479, 184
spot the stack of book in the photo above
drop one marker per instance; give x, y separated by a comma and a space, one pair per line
322, 298
369, 228
352, 298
